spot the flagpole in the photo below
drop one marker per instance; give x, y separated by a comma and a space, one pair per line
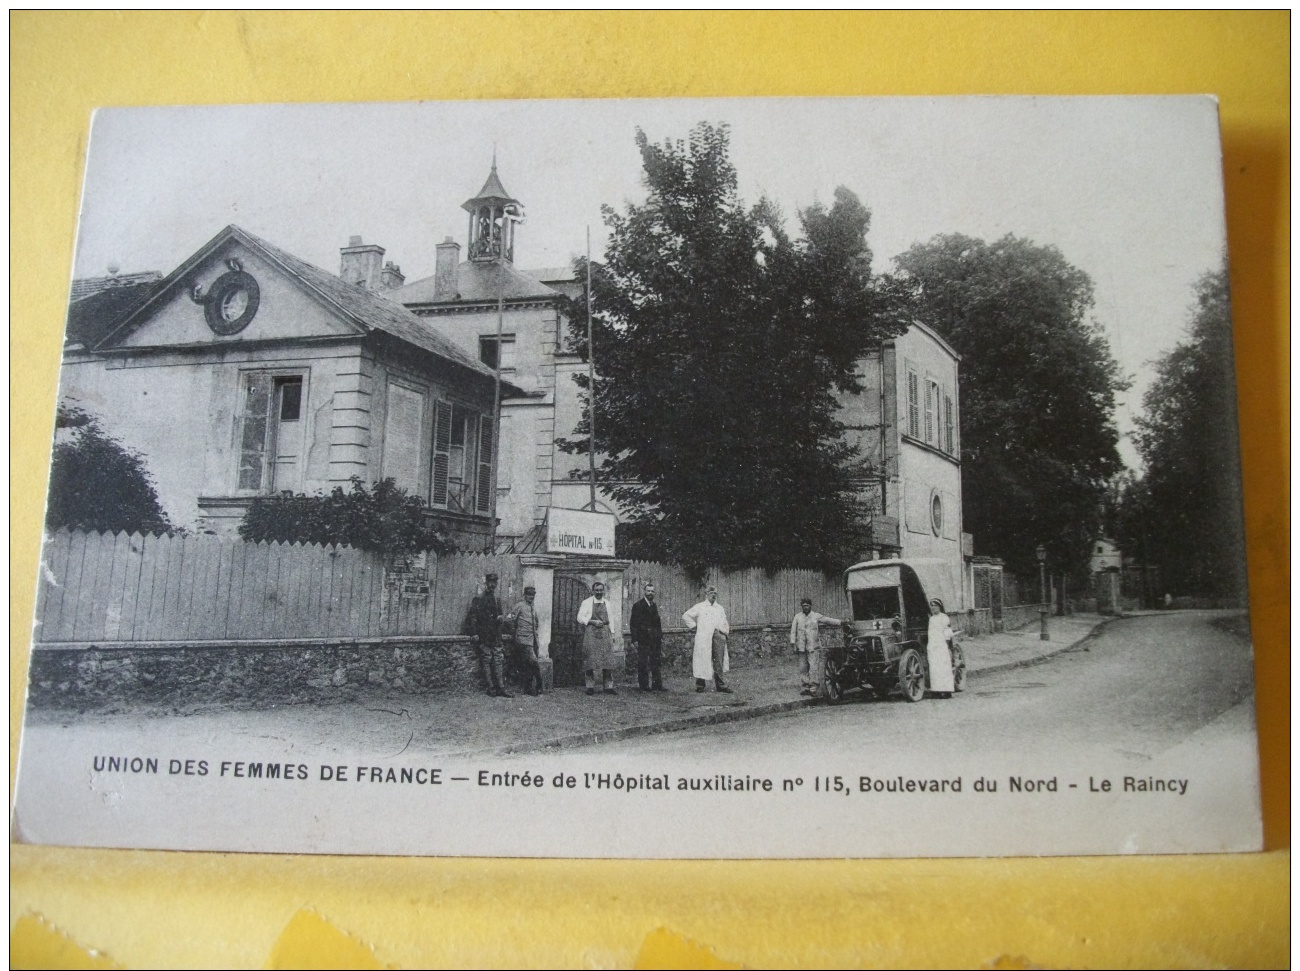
496, 399
591, 386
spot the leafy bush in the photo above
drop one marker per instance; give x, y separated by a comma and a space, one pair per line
97, 484
384, 519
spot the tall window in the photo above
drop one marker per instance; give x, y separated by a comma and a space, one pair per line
913, 405
462, 460
487, 352
270, 436
931, 413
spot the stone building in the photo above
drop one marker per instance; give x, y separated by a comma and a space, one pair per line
247, 371
906, 426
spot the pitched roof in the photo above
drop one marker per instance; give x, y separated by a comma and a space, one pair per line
492, 189
478, 282
365, 309
95, 311
90, 285
369, 308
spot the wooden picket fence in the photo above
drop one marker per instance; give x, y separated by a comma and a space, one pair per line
749, 596
98, 588
107, 588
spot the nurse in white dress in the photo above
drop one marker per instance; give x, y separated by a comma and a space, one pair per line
937, 650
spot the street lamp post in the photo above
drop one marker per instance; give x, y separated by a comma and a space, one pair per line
1041, 553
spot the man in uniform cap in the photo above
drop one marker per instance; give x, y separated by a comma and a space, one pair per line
485, 625
522, 623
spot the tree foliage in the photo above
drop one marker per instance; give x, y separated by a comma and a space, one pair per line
1188, 511
98, 484
384, 519
1038, 385
720, 343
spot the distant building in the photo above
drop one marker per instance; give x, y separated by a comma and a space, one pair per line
906, 425
1106, 556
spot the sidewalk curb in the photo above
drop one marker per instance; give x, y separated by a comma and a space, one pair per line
738, 713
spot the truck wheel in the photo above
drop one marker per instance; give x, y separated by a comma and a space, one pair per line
911, 675
958, 668
832, 685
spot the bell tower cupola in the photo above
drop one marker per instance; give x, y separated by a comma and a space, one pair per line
493, 214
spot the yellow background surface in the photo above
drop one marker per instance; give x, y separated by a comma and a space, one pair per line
87, 908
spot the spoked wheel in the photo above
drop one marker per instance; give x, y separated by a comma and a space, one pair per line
911, 675
958, 668
832, 680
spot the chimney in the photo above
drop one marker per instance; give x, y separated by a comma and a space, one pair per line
445, 282
391, 278
359, 263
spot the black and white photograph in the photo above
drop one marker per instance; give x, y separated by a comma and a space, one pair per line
737, 478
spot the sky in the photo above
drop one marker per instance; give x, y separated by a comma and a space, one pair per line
1128, 189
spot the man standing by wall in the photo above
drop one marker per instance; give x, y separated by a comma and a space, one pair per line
647, 638
485, 624
597, 641
709, 621
805, 638
522, 622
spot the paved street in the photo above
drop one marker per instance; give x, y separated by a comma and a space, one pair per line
1140, 686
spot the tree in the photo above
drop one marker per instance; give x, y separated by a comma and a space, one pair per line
384, 519
720, 342
1038, 385
98, 484
1187, 436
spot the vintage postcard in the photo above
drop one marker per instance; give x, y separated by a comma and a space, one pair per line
693, 478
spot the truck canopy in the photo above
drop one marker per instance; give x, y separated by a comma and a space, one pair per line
935, 577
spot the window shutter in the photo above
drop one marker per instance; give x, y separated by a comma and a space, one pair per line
484, 504
931, 406
913, 406
949, 440
402, 439
255, 423
441, 454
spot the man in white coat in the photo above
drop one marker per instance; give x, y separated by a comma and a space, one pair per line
710, 659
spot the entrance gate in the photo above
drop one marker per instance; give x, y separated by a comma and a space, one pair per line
566, 635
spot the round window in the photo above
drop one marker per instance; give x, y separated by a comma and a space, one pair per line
936, 514
231, 303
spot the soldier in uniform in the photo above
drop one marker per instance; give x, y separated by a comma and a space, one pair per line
522, 623
485, 625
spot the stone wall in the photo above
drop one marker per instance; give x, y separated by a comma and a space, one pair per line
249, 676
